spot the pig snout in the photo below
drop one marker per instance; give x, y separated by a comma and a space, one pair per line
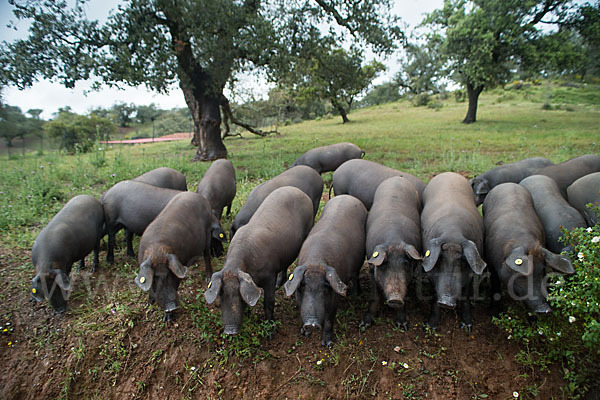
395, 301
170, 307
543, 309
447, 301
231, 330
310, 325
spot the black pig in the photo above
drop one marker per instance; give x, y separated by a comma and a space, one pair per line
512, 172
302, 177
360, 178
260, 250
70, 235
453, 241
328, 158
394, 246
218, 186
177, 237
330, 258
514, 245
554, 211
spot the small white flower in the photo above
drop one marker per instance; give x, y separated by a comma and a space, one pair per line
589, 229
580, 255
516, 395
384, 363
596, 239
558, 334
193, 369
541, 332
405, 365
509, 337
320, 362
572, 319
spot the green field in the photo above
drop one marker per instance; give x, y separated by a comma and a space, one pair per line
547, 120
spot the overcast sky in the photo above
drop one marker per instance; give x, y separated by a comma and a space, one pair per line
52, 96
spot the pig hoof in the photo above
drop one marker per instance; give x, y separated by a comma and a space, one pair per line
466, 327
305, 332
169, 317
430, 327
365, 324
402, 325
326, 342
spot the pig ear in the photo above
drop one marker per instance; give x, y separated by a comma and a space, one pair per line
62, 279
334, 280
559, 263
176, 267
379, 256
520, 262
473, 258
480, 185
214, 287
248, 289
145, 276
36, 289
412, 252
294, 280
432, 253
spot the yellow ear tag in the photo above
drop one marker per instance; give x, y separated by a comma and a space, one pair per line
209, 284
34, 291
221, 235
375, 254
427, 253
291, 277
518, 261
142, 279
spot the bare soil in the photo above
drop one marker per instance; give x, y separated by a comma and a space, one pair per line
111, 344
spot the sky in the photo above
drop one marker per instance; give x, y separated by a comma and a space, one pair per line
50, 96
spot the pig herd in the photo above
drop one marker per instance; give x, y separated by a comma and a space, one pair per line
404, 227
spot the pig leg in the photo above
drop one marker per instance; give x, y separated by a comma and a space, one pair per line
281, 278
496, 293
110, 253
129, 240
374, 306
228, 209
96, 257
401, 318
434, 315
466, 318
356, 285
330, 311
207, 266
269, 302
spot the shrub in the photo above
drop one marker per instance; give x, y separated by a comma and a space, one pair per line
460, 96
421, 100
571, 334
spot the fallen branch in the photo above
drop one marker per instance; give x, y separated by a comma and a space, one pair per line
229, 117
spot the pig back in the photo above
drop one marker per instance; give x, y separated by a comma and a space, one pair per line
182, 227
584, 191
449, 210
510, 220
275, 232
338, 238
360, 178
134, 204
395, 214
569, 171
552, 208
164, 177
218, 185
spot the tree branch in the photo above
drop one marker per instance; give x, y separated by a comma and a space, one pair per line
229, 116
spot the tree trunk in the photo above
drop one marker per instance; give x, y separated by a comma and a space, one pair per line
341, 110
206, 114
473, 95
